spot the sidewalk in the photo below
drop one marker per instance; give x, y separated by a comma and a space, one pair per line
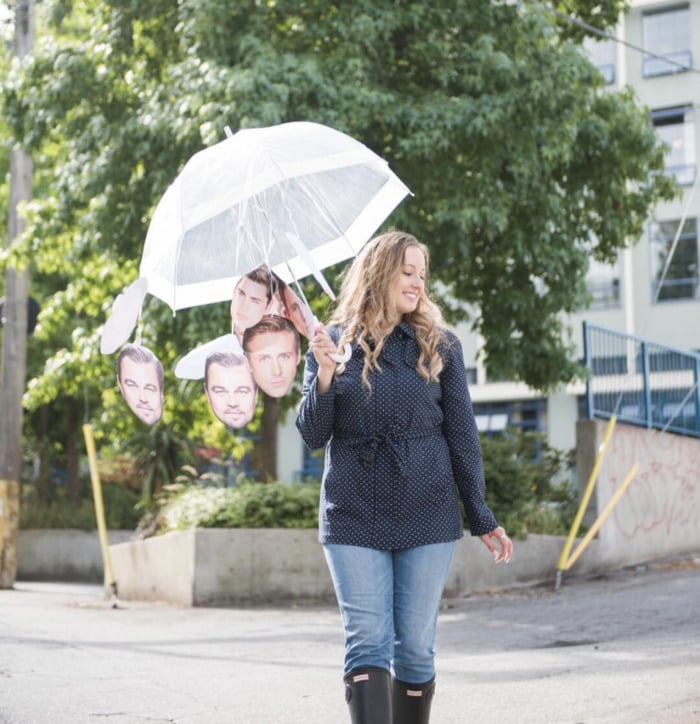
624, 647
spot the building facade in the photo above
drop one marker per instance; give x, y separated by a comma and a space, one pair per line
653, 291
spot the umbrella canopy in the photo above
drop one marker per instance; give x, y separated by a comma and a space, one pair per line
298, 197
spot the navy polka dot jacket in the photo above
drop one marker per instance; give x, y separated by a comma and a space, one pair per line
393, 456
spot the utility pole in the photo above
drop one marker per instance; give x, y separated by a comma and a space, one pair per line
14, 341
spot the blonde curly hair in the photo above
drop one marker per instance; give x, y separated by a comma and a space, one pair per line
366, 305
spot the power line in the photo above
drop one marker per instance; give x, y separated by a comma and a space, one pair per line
610, 36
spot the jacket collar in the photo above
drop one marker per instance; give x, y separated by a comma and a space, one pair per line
407, 329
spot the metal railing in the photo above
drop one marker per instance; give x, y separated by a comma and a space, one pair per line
640, 381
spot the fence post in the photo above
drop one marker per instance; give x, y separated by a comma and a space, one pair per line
589, 366
646, 384
696, 381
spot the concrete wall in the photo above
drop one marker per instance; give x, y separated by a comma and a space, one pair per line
221, 567
534, 561
252, 565
62, 555
659, 514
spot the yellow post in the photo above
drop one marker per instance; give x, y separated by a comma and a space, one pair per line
601, 518
99, 505
562, 565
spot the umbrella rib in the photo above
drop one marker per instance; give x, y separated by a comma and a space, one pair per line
299, 289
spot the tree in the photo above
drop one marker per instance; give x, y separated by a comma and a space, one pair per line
522, 166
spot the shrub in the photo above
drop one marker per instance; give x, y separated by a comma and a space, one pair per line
527, 486
121, 508
248, 505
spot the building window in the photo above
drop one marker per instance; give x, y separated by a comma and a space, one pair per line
666, 33
489, 421
676, 128
675, 277
602, 55
603, 283
494, 417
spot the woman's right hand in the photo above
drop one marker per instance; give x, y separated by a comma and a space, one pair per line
322, 346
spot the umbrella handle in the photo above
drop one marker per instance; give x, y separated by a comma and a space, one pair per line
340, 358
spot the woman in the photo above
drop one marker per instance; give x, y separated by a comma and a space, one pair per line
400, 429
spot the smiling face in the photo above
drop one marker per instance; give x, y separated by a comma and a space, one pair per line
410, 283
140, 386
231, 393
273, 357
250, 299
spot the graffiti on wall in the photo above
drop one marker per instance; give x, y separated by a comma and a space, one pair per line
664, 497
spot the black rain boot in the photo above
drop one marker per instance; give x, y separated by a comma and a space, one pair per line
368, 693
411, 702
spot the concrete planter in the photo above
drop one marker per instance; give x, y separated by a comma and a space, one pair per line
219, 567
222, 567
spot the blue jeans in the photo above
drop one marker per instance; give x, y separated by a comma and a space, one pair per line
389, 601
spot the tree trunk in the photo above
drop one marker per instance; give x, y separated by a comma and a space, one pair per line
264, 454
42, 482
73, 441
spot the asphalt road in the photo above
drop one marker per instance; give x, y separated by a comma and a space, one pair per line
624, 647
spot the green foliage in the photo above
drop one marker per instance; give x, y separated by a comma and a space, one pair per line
160, 453
526, 485
121, 508
248, 505
571, 20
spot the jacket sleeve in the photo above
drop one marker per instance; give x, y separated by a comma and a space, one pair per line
316, 412
460, 429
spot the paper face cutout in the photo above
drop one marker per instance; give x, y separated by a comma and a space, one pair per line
140, 380
296, 311
251, 298
230, 388
273, 351
122, 320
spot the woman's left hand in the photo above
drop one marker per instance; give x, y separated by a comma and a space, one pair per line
506, 544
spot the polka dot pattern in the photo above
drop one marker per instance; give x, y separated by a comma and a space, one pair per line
396, 459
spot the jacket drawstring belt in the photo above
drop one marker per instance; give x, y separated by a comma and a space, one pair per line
389, 439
